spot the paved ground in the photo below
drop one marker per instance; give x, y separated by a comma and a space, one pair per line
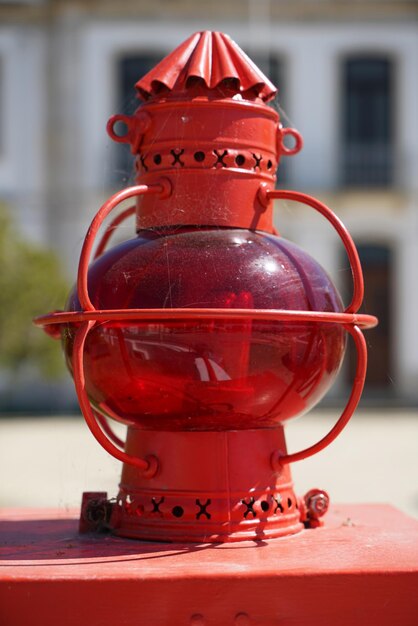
50, 461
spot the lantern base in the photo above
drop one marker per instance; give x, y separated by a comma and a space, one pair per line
360, 568
210, 487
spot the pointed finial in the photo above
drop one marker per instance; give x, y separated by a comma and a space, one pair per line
209, 60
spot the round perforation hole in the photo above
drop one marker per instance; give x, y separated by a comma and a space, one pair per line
264, 505
157, 159
177, 511
199, 156
240, 160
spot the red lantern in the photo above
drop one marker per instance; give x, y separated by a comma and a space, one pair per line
207, 331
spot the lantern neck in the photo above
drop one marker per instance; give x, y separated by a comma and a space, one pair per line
212, 495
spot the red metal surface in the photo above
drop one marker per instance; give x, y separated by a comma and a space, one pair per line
361, 568
361, 320
206, 331
204, 490
215, 178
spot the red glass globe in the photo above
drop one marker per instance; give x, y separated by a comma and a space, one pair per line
200, 374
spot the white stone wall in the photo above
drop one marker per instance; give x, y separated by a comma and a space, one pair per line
23, 106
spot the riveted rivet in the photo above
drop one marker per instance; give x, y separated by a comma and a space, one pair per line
242, 619
317, 502
197, 620
262, 195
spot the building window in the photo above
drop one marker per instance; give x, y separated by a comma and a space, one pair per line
130, 69
274, 68
377, 262
2, 107
368, 150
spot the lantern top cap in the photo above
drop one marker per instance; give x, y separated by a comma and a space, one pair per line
206, 62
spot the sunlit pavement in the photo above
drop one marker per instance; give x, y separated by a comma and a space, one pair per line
50, 461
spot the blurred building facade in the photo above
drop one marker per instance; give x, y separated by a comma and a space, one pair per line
347, 74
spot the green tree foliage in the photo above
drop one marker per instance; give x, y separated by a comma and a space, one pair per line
31, 284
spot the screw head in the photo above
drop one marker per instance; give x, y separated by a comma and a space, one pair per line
317, 503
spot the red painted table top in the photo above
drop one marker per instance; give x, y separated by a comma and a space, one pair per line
360, 568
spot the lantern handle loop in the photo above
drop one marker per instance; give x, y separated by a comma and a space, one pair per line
107, 429
148, 466
121, 137
291, 132
101, 246
135, 128
163, 187
278, 459
355, 265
